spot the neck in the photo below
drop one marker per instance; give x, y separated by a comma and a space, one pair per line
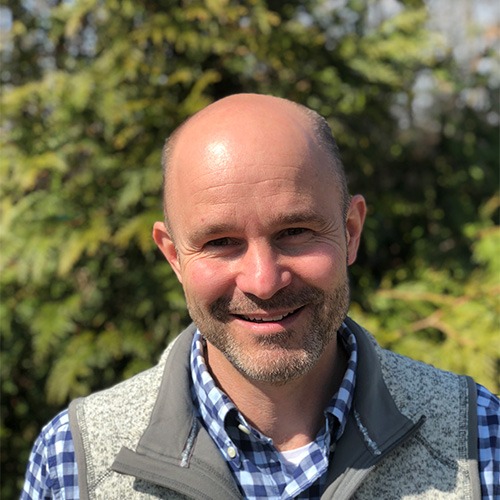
290, 414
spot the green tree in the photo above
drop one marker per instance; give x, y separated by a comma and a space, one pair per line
91, 88
443, 320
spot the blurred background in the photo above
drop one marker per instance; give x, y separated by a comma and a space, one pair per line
90, 90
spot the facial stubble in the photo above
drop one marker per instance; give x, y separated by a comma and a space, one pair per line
278, 358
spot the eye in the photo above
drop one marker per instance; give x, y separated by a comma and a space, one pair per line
221, 242
294, 231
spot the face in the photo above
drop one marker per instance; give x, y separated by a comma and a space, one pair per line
261, 247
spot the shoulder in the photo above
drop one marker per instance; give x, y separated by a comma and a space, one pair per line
488, 403
488, 419
138, 392
444, 400
116, 417
115, 403
52, 469
437, 389
416, 388
57, 429
55, 440
120, 411
488, 414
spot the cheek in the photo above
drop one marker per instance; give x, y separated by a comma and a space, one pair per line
323, 270
205, 281
325, 262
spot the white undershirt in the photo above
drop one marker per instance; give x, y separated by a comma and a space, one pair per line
295, 456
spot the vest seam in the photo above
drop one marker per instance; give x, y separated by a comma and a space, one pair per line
79, 446
370, 443
101, 479
187, 452
435, 453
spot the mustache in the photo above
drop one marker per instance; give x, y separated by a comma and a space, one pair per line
249, 304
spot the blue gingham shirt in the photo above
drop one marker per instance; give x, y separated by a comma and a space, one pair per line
52, 470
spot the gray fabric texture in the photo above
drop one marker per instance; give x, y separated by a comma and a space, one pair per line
408, 436
443, 398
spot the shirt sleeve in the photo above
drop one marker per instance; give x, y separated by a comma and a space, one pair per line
488, 412
52, 470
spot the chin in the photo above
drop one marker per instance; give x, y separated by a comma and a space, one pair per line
275, 365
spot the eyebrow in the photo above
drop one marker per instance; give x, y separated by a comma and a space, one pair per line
300, 217
211, 230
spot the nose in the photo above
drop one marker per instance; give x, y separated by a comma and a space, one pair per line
261, 272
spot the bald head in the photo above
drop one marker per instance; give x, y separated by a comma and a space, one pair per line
254, 125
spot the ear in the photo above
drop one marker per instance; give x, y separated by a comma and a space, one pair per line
354, 226
165, 243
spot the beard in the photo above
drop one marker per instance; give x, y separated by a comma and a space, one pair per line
284, 356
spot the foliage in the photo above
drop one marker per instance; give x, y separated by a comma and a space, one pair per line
90, 90
444, 321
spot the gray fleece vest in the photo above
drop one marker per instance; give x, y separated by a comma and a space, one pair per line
412, 433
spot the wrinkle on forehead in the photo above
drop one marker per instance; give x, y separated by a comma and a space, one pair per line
253, 179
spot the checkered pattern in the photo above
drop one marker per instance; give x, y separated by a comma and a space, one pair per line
256, 465
52, 471
488, 412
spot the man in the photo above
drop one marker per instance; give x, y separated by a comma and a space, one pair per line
275, 392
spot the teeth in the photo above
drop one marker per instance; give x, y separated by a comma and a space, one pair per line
266, 320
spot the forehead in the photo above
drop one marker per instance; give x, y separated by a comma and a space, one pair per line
256, 131
256, 136
256, 155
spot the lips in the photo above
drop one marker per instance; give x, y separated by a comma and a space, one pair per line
266, 318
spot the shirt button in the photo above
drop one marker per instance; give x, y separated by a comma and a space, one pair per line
244, 429
231, 452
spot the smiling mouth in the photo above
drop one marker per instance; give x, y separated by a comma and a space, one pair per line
267, 319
